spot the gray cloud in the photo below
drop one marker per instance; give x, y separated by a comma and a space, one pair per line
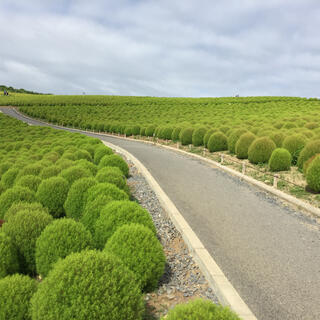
161, 48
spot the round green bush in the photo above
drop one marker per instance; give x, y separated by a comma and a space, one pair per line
58, 240
198, 135
312, 125
167, 133
29, 181
13, 195
49, 172
233, 138
217, 142
294, 144
100, 152
9, 263
75, 173
9, 177
31, 169
83, 155
278, 138
307, 163
114, 161
118, 213
64, 163
185, 136
20, 206
143, 131
280, 160
52, 193
16, 292
208, 135
140, 250
175, 134
201, 309
104, 289
310, 149
150, 130
128, 131
75, 202
24, 228
313, 174
112, 175
87, 165
260, 150
243, 144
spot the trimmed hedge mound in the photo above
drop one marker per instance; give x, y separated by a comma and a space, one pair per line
260, 150
52, 193
280, 160
117, 214
198, 135
9, 257
243, 144
15, 295
9, 177
175, 134
208, 135
112, 175
20, 206
104, 289
29, 181
75, 173
24, 228
217, 142
201, 310
140, 250
59, 239
185, 136
310, 149
100, 152
150, 130
114, 161
313, 174
294, 144
233, 138
49, 172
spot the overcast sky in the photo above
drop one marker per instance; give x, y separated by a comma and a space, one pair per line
162, 47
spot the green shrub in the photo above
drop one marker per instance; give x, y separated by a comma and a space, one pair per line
87, 165
75, 173
224, 129
217, 142
278, 138
24, 228
280, 160
118, 213
310, 149
52, 157
294, 144
140, 250
9, 263
308, 162
29, 181
75, 202
9, 177
31, 169
150, 130
185, 136
128, 131
208, 135
13, 195
313, 174
201, 310
20, 206
260, 150
233, 138
100, 152
64, 163
175, 134
115, 161
4, 167
49, 172
15, 295
52, 193
58, 240
112, 175
198, 135
83, 155
143, 131
243, 144
312, 125
104, 289
167, 133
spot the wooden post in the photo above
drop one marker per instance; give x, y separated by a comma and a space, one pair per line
275, 181
243, 168
222, 156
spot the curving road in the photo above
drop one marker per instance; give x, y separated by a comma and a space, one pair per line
270, 254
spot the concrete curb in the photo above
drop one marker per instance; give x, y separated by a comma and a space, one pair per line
224, 290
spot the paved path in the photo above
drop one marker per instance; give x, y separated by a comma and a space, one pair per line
271, 254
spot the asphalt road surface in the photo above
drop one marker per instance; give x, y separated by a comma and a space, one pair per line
270, 253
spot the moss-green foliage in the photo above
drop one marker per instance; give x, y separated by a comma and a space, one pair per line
49, 172
175, 134
75, 173
280, 160
29, 181
20, 206
87, 165
260, 150
13, 195
15, 295
278, 138
150, 130
31, 169
201, 310
104, 289
52, 193
217, 142
143, 131
83, 155
140, 250
116, 214
310, 149
112, 175
243, 144
208, 135
233, 138
59, 239
167, 133
24, 228
9, 177
294, 144
9, 263
308, 162
64, 163
185, 136
198, 135
312, 125
100, 152
313, 174
115, 161
75, 202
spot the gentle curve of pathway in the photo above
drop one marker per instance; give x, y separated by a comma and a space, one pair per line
271, 254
